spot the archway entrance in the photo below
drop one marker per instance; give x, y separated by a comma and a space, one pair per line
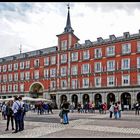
97, 99
36, 90
74, 98
138, 97
126, 100
110, 99
85, 98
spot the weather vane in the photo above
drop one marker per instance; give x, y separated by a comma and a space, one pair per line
68, 6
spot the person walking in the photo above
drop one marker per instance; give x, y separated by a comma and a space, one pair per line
116, 110
137, 108
22, 113
120, 109
50, 108
111, 109
65, 111
10, 115
17, 115
3, 109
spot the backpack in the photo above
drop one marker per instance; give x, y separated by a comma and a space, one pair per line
20, 109
25, 107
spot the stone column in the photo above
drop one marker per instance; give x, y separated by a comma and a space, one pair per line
90, 97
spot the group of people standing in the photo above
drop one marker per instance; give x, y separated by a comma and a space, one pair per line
14, 110
116, 109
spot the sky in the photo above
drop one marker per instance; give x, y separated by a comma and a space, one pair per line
34, 25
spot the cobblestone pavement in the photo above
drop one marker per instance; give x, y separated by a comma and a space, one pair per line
81, 125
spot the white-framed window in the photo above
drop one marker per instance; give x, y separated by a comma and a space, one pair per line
36, 74
138, 62
86, 54
53, 84
27, 75
15, 87
97, 66
74, 56
74, 83
52, 72
63, 58
9, 88
85, 68
21, 87
4, 78
85, 82
16, 66
110, 81
36, 62
126, 48
46, 73
0, 68
63, 84
53, 60
74, 70
97, 81
10, 77
22, 76
110, 65
110, 51
27, 64
46, 61
63, 71
3, 88
4, 68
15, 76
138, 79
64, 45
10, 67
21, 65
125, 80
98, 53
125, 63
138, 46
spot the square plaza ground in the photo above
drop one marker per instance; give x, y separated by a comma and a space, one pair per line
81, 125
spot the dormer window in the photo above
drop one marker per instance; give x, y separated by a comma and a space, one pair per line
112, 37
126, 35
100, 39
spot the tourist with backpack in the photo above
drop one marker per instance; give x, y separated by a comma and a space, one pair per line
16, 107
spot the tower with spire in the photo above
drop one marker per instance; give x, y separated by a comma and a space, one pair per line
67, 37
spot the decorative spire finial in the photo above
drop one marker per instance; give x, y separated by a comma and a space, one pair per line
68, 27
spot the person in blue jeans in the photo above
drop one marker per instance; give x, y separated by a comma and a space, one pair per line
116, 110
65, 111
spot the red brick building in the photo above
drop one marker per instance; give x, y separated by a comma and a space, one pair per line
104, 70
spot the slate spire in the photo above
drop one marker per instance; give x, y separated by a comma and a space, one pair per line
68, 27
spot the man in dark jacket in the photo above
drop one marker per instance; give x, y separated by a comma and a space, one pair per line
10, 115
65, 111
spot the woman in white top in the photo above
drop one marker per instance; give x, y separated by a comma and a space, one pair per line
111, 109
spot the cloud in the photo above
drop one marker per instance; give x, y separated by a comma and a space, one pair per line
35, 25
